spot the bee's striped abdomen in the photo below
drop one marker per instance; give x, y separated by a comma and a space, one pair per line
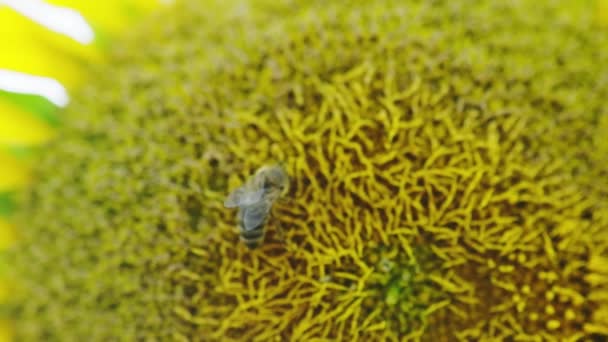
254, 237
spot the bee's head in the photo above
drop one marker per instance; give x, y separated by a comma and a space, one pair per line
275, 180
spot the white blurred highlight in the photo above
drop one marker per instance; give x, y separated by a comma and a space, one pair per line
59, 19
49, 88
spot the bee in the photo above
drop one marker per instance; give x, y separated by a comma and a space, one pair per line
255, 200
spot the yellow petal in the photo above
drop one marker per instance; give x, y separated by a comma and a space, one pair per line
13, 174
111, 16
18, 127
32, 48
7, 235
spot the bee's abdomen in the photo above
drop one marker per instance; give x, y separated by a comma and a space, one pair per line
254, 237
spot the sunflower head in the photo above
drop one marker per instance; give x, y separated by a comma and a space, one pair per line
445, 178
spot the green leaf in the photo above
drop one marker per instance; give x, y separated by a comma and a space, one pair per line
39, 106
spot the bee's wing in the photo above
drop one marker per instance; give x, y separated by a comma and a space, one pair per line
242, 196
255, 215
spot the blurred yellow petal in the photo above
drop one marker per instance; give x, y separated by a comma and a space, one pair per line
18, 127
7, 235
60, 19
32, 48
13, 173
111, 16
6, 331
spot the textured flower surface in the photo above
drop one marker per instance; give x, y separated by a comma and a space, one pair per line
46, 47
447, 164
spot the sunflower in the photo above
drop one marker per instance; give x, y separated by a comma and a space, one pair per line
446, 163
47, 48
